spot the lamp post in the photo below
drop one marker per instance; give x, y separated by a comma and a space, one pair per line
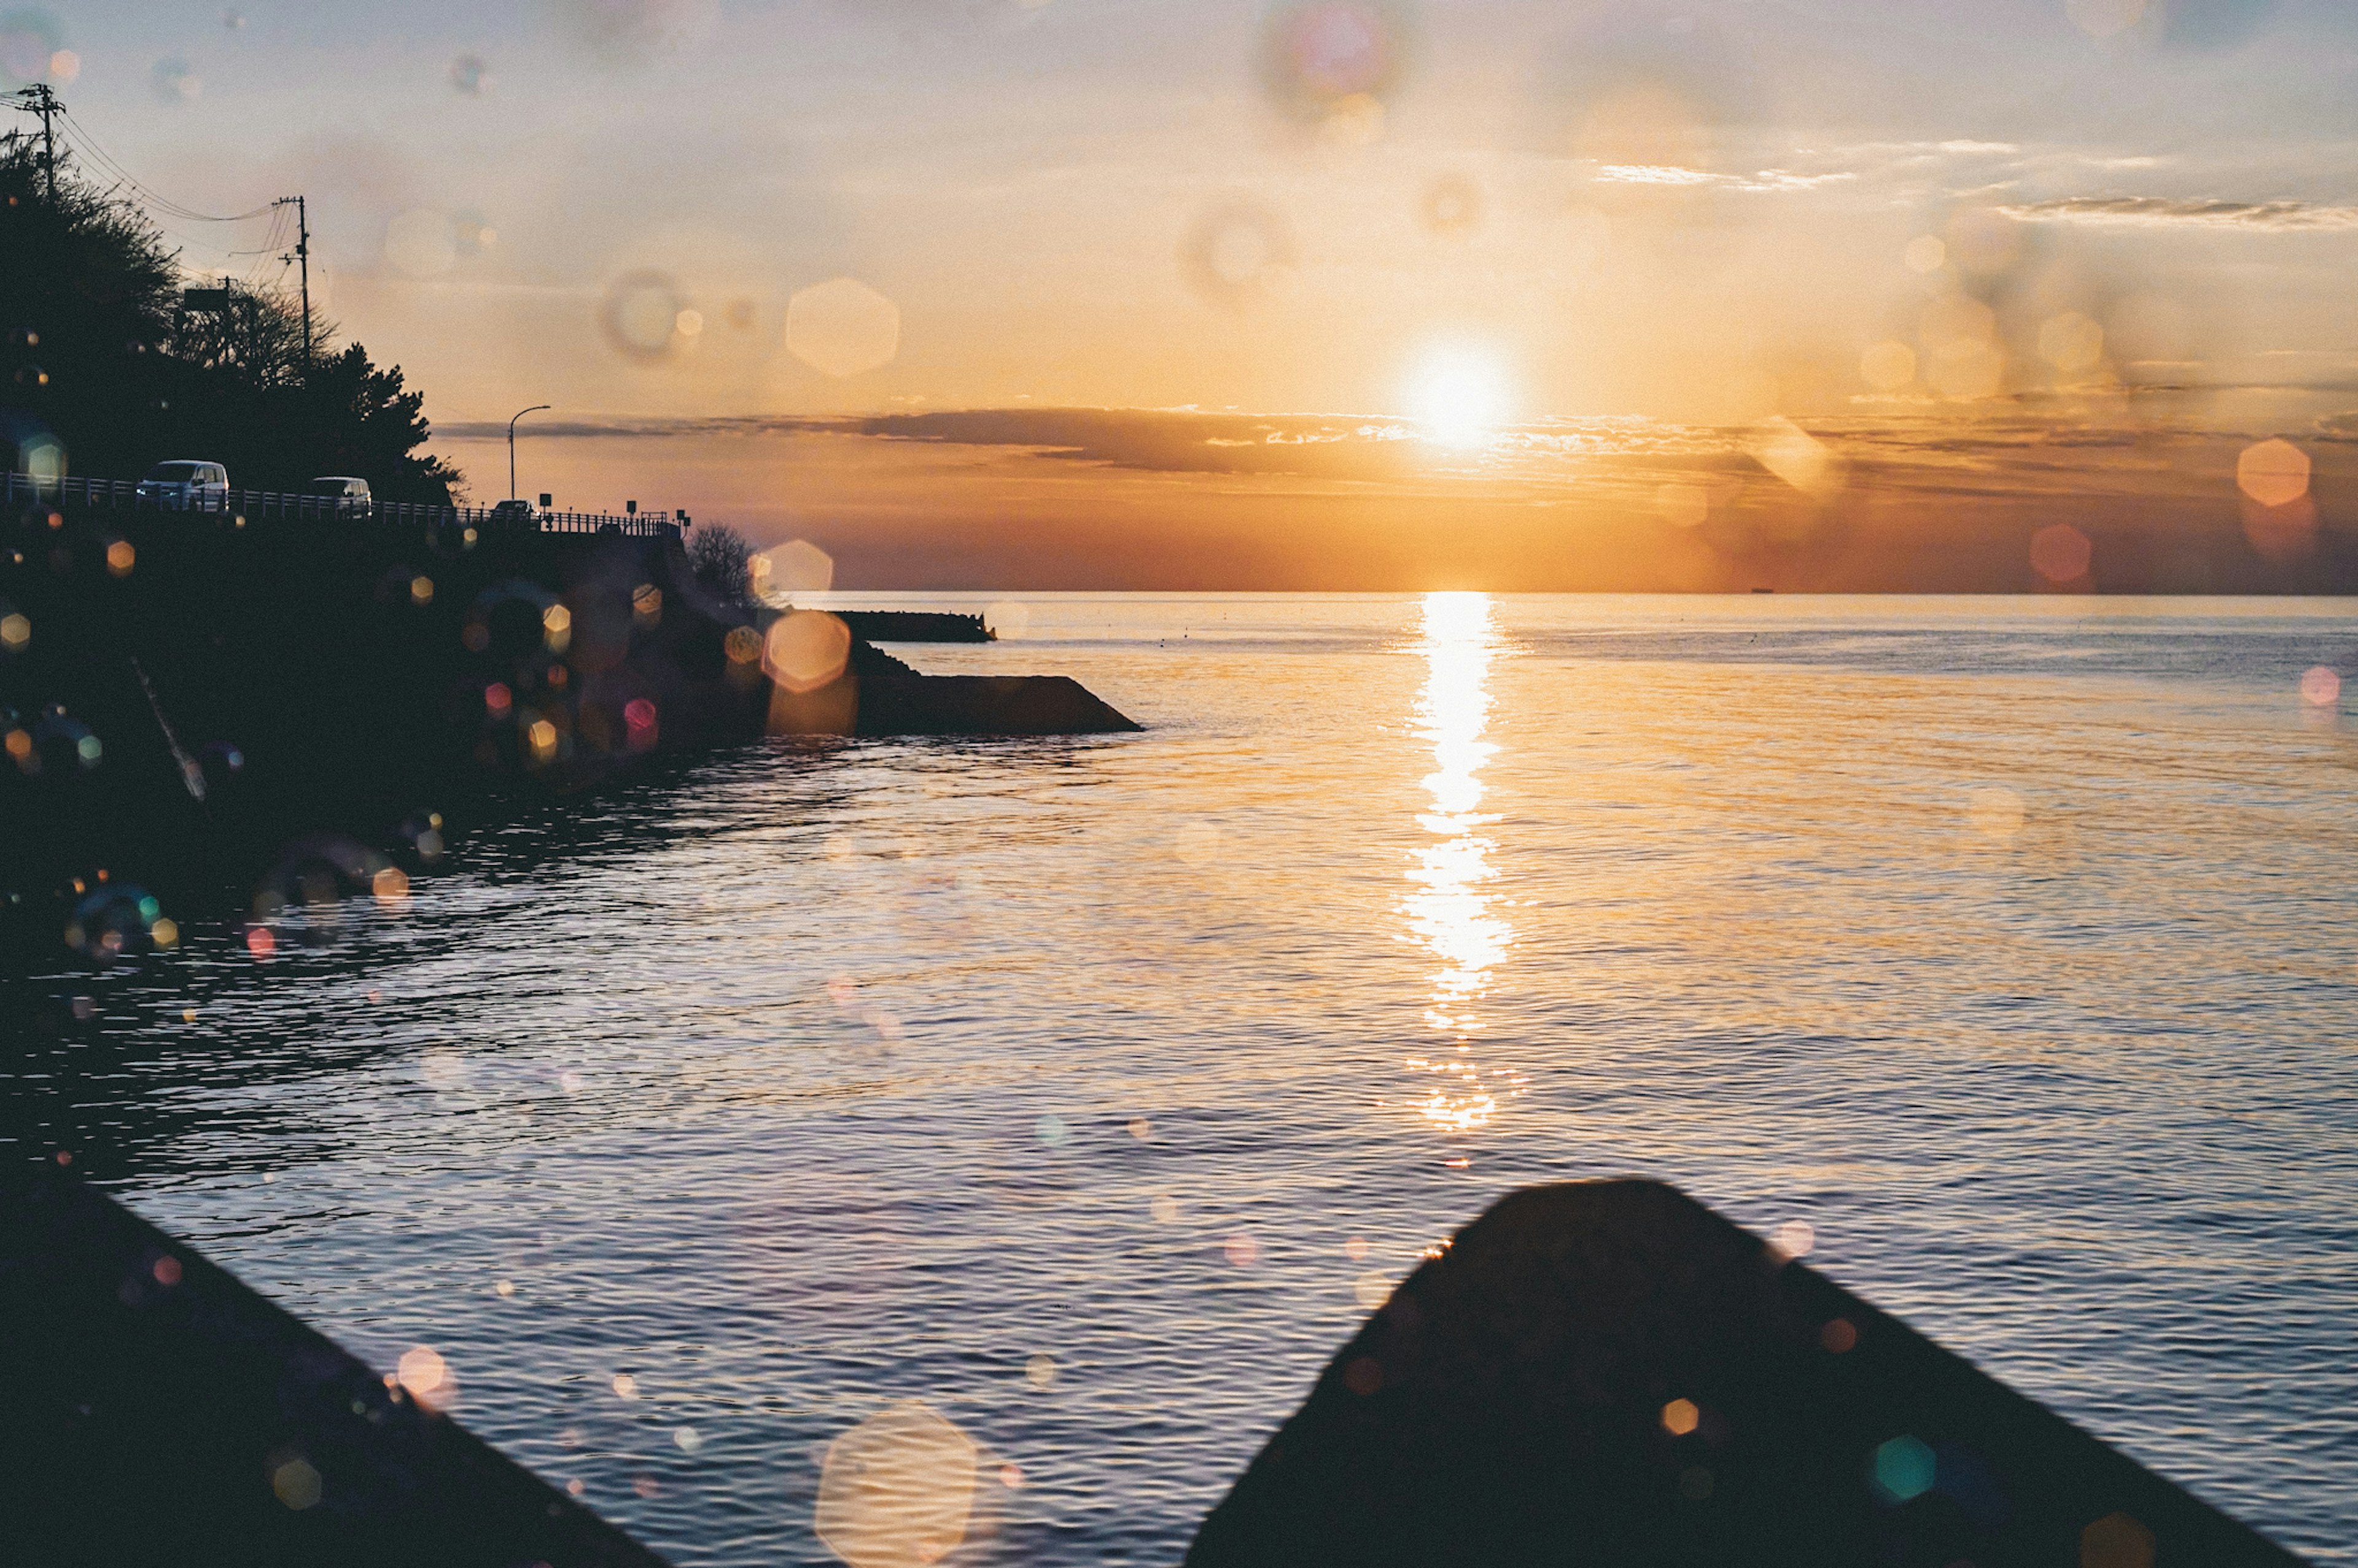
536, 408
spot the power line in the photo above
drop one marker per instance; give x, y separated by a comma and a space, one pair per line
89, 146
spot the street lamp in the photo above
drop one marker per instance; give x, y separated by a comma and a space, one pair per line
536, 408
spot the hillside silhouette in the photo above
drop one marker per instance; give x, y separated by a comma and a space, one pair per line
107, 356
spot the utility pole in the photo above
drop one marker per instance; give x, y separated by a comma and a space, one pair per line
38, 99
303, 254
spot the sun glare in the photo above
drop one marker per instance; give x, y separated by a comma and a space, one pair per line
1459, 394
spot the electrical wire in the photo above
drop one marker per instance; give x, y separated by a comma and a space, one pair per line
88, 145
276, 241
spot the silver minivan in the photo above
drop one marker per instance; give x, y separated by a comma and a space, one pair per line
343, 495
185, 486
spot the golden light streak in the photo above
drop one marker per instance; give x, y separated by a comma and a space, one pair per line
1451, 913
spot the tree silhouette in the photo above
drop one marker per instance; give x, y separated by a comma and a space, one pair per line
106, 353
723, 561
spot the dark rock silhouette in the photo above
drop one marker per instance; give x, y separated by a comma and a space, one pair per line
159, 1409
1609, 1374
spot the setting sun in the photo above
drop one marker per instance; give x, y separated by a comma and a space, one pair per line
1459, 394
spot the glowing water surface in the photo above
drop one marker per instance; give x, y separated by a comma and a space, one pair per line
1036, 1118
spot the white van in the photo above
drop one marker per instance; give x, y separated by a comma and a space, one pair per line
186, 486
342, 497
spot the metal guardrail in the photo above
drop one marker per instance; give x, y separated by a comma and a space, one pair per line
124, 495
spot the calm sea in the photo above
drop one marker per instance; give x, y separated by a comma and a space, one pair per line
1091, 1091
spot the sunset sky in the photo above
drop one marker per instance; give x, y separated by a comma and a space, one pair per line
1193, 292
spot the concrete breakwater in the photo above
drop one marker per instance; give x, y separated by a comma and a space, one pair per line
1597, 1373
1610, 1373
190, 701
916, 626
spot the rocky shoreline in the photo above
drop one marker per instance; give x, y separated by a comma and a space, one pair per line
190, 702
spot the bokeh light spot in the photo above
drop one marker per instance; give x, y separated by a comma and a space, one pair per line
2116, 1541
295, 1484
797, 567
807, 649
1681, 1416
1242, 1250
2273, 473
1324, 56
1839, 1336
842, 327
2321, 686
1798, 458
1953, 324
1795, 1238
1994, 811
1888, 366
1040, 1371
640, 316
426, 1377
1238, 253
1371, 1291
1904, 1468
897, 1490
174, 80
2072, 342
2061, 553
1926, 253
1451, 207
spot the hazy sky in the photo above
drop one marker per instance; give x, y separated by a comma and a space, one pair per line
1201, 293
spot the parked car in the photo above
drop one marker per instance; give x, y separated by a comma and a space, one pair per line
345, 496
185, 486
512, 513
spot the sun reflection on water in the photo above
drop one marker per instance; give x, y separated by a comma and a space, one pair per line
1451, 911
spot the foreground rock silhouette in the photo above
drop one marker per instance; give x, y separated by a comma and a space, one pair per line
1609, 1374
1603, 1374
157, 1410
